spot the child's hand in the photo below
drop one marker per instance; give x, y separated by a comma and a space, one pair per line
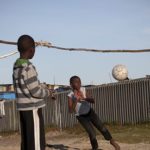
53, 97
79, 96
79, 99
53, 94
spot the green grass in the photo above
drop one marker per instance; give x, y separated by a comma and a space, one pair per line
6, 134
124, 134
131, 134
51, 128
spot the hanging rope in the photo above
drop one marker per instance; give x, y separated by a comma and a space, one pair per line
9, 54
49, 45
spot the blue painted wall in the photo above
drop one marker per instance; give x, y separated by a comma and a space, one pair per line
8, 95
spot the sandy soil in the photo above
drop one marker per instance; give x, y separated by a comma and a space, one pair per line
65, 141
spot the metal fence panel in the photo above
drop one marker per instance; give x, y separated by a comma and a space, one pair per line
125, 102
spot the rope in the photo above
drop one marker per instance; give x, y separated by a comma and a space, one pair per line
9, 54
49, 45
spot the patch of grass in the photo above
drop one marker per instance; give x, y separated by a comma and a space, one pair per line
77, 130
131, 133
47, 129
124, 134
51, 128
6, 134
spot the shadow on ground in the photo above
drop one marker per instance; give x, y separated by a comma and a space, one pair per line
61, 147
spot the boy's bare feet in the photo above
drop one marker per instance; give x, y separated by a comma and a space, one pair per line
115, 145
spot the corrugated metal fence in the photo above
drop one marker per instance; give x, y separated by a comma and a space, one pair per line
125, 102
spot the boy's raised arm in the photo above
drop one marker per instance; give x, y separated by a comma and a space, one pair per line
70, 105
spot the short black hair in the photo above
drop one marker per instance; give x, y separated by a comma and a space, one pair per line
73, 78
25, 42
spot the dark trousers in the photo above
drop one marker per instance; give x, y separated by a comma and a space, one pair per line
87, 121
32, 130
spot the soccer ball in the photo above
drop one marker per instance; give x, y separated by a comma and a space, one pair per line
120, 72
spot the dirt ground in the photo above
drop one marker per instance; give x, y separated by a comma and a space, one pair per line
65, 141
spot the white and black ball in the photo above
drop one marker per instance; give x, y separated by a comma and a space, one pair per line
120, 72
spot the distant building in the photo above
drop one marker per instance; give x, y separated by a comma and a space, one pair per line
90, 85
7, 91
62, 88
10, 88
6, 88
7, 95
